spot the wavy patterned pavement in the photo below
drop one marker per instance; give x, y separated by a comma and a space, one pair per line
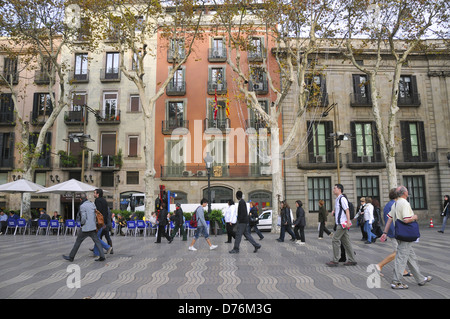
32, 268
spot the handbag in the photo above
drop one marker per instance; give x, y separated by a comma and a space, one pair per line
406, 231
443, 212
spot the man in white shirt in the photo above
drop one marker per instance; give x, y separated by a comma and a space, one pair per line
342, 219
230, 220
401, 210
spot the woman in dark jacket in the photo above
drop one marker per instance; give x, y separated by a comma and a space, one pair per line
323, 214
286, 222
300, 223
253, 220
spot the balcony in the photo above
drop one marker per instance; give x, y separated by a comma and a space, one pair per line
218, 171
310, 161
75, 117
108, 117
41, 78
255, 55
220, 88
180, 125
8, 76
106, 162
374, 160
423, 160
261, 87
173, 56
176, 89
255, 125
82, 77
217, 55
44, 162
38, 119
409, 100
219, 124
71, 162
358, 99
110, 75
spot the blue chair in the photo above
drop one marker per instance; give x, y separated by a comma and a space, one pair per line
131, 227
141, 225
70, 224
152, 228
22, 224
78, 228
11, 223
42, 224
54, 224
113, 226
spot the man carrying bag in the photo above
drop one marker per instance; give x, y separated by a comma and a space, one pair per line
401, 212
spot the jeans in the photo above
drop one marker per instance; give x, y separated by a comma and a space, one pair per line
368, 231
444, 222
257, 231
81, 237
103, 244
201, 230
284, 229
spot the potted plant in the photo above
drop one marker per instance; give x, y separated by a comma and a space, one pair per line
118, 159
96, 159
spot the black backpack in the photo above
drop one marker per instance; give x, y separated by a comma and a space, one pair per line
351, 207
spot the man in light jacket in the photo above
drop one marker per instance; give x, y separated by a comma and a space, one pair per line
87, 220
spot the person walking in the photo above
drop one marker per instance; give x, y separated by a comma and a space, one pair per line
230, 220
177, 219
343, 223
253, 220
286, 222
299, 223
360, 218
445, 213
102, 206
323, 216
87, 220
162, 223
391, 235
368, 221
401, 211
201, 226
242, 228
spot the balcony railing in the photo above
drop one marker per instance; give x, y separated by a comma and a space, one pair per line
256, 125
261, 87
219, 88
217, 171
41, 77
110, 75
410, 100
358, 99
82, 77
105, 161
423, 160
7, 118
169, 126
108, 117
171, 55
75, 117
310, 160
38, 119
373, 160
7, 76
178, 88
217, 55
218, 124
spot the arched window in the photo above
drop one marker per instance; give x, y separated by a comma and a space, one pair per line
219, 194
263, 198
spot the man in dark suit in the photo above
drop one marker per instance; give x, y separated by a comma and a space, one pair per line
102, 206
162, 223
242, 226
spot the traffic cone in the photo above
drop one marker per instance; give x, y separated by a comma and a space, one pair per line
431, 223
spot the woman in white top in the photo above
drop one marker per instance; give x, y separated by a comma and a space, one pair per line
368, 220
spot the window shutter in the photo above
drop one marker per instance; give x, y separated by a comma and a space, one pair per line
406, 140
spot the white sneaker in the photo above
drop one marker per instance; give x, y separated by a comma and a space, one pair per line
192, 248
212, 247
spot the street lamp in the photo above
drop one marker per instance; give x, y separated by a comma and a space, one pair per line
209, 160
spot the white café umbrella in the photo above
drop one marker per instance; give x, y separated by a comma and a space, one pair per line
20, 186
71, 186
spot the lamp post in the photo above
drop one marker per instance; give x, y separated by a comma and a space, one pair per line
208, 160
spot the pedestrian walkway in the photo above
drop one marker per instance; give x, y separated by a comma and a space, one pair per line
32, 267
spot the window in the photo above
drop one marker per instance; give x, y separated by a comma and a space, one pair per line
416, 190
75, 147
107, 179
367, 186
316, 85
135, 103
175, 114
256, 120
365, 145
259, 155
110, 105
176, 49
413, 141
81, 66
174, 158
112, 65
10, 70
42, 104
108, 149
256, 49
218, 49
133, 146
263, 199
217, 149
40, 178
219, 194
133, 178
6, 149
319, 188
320, 146
361, 91
178, 79
407, 91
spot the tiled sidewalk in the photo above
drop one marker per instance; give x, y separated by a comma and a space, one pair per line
32, 268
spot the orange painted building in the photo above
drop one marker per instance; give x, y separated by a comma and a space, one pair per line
187, 124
